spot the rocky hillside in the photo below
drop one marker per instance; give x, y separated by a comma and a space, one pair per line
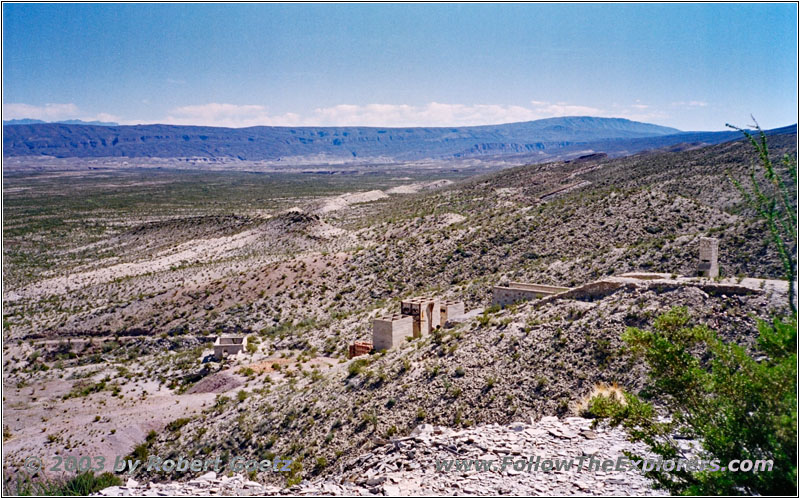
529, 361
424, 463
304, 283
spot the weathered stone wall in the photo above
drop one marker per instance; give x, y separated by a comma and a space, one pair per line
388, 332
450, 309
709, 255
518, 291
426, 312
229, 346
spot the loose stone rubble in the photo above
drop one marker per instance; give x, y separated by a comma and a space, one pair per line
407, 466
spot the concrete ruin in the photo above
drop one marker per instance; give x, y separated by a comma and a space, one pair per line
229, 346
391, 330
418, 317
359, 348
450, 309
709, 254
426, 314
520, 291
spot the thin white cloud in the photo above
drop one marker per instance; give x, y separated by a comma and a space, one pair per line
48, 112
690, 104
638, 112
432, 114
229, 115
388, 115
549, 110
103, 117
52, 112
378, 115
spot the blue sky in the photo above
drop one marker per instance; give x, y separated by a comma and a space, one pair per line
691, 66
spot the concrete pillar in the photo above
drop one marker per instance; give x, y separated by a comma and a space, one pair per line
709, 255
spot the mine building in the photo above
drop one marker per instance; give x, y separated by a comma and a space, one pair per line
229, 346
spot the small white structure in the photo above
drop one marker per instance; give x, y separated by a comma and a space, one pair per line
709, 255
229, 346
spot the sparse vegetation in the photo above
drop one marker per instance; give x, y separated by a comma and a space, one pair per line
83, 484
738, 407
305, 285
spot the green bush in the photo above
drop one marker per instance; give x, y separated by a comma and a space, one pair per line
772, 202
80, 485
178, 424
736, 406
356, 367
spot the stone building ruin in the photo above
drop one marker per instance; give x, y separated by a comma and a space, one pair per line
229, 346
418, 317
709, 254
359, 348
391, 330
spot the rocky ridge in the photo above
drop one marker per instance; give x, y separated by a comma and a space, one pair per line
408, 466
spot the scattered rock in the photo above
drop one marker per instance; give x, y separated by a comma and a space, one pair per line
413, 465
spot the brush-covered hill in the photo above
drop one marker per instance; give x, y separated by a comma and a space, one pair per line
560, 223
563, 224
329, 144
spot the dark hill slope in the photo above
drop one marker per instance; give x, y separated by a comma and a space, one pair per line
341, 143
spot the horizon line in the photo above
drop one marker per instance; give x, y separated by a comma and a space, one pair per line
89, 123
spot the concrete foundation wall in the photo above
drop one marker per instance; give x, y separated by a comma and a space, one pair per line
450, 309
226, 350
516, 292
225, 346
543, 289
389, 332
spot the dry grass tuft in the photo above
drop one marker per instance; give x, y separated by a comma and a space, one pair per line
612, 391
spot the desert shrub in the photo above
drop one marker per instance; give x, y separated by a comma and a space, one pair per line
773, 203
737, 407
739, 404
357, 366
178, 424
83, 484
370, 417
295, 474
252, 344
595, 402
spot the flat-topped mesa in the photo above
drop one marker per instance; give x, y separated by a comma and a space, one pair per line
229, 346
520, 291
418, 317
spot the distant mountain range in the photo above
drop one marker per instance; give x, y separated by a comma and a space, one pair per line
28, 121
552, 138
